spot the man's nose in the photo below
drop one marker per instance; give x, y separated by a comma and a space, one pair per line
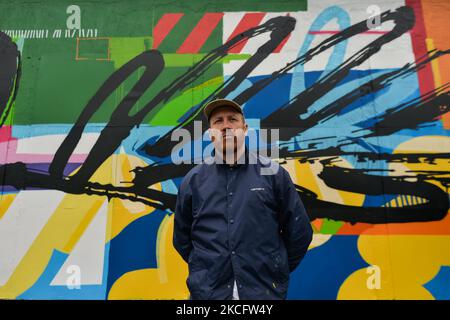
226, 125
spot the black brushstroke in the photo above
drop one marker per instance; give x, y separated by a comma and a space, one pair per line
289, 114
20, 177
279, 28
352, 180
10, 70
409, 115
120, 124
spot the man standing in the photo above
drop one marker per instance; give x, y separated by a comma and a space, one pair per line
240, 231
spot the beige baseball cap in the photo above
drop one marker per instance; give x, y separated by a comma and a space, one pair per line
219, 103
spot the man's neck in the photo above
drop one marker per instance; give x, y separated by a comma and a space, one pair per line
233, 158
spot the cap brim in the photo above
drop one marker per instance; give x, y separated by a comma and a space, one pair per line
219, 103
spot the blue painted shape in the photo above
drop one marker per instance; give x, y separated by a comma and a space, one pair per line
27, 131
324, 269
269, 99
42, 289
439, 286
336, 58
134, 248
378, 200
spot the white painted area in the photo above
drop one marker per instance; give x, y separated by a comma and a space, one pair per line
21, 224
392, 55
88, 253
49, 144
318, 240
230, 24
254, 43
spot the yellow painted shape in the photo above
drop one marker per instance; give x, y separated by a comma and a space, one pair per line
61, 232
167, 281
424, 144
5, 202
406, 263
434, 64
306, 175
122, 212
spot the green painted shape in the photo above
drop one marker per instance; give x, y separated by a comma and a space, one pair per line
62, 87
330, 226
123, 50
93, 48
166, 78
55, 88
233, 5
180, 32
9, 107
126, 18
232, 57
172, 111
188, 60
10, 117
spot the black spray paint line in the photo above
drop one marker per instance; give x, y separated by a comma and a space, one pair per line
20, 177
374, 85
289, 114
84, 173
10, 70
149, 175
311, 156
403, 14
413, 184
410, 114
354, 180
118, 128
279, 28
311, 53
424, 212
120, 124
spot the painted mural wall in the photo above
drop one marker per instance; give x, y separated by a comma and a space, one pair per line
91, 92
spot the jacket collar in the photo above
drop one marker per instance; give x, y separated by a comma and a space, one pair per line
242, 161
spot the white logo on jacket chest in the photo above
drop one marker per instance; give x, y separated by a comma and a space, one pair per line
257, 189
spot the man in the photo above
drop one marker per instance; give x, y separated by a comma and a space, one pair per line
241, 232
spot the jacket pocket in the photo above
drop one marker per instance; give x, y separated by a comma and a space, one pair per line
280, 267
196, 280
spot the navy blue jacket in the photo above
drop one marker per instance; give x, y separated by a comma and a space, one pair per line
232, 223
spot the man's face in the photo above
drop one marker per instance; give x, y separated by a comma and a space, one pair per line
227, 129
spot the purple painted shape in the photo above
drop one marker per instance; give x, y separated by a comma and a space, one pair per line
43, 167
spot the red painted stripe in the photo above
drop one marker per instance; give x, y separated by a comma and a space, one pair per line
418, 36
282, 43
248, 21
164, 26
5, 134
201, 32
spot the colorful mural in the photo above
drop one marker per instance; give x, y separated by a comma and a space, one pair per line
91, 92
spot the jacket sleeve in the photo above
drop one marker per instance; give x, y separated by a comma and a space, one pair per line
183, 221
295, 227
